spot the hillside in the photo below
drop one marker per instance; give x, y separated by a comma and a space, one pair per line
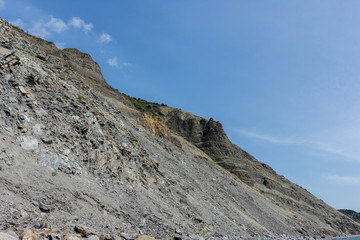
79, 159
351, 213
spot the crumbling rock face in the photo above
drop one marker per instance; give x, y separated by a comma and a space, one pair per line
76, 163
210, 137
156, 126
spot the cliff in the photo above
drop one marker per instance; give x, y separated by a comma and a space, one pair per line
79, 159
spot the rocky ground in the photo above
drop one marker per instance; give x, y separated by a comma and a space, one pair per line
79, 161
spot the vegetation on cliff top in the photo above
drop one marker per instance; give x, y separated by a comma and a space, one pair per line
145, 106
350, 213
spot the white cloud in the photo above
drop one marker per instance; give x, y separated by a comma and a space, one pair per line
267, 138
88, 27
44, 29
113, 62
315, 145
60, 45
39, 29
57, 25
77, 22
105, 38
18, 22
343, 179
2, 3
127, 64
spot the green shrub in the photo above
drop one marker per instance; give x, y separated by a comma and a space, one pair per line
17, 28
144, 106
53, 174
1, 168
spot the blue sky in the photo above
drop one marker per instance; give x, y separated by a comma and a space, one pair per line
282, 76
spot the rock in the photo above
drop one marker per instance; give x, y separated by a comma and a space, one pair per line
73, 218
199, 219
72, 237
177, 231
54, 236
47, 140
177, 237
65, 230
37, 130
22, 90
83, 230
146, 237
30, 235
67, 152
44, 207
29, 143
5, 236
105, 236
93, 237
49, 160
22, 128
16, 213
125, 235
9, 160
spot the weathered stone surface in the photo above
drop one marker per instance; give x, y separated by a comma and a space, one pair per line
22, 90
5, 236
84, 230
93, 237
37, 129
72, 237
47, 140
146, 237
30, 235
29, 143
44, 207
54, 236
49, 160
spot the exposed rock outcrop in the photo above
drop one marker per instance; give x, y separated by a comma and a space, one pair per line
210, 137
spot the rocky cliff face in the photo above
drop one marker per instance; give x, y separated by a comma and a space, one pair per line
210, 137
78, 160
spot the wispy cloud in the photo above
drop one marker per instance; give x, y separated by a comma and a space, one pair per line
310, 144
56, 25
19, 23
267, 138
39, 29
2, 3
45, 28
343, 179
113, 62
60, 45
77, 22
105, 38
127, 64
